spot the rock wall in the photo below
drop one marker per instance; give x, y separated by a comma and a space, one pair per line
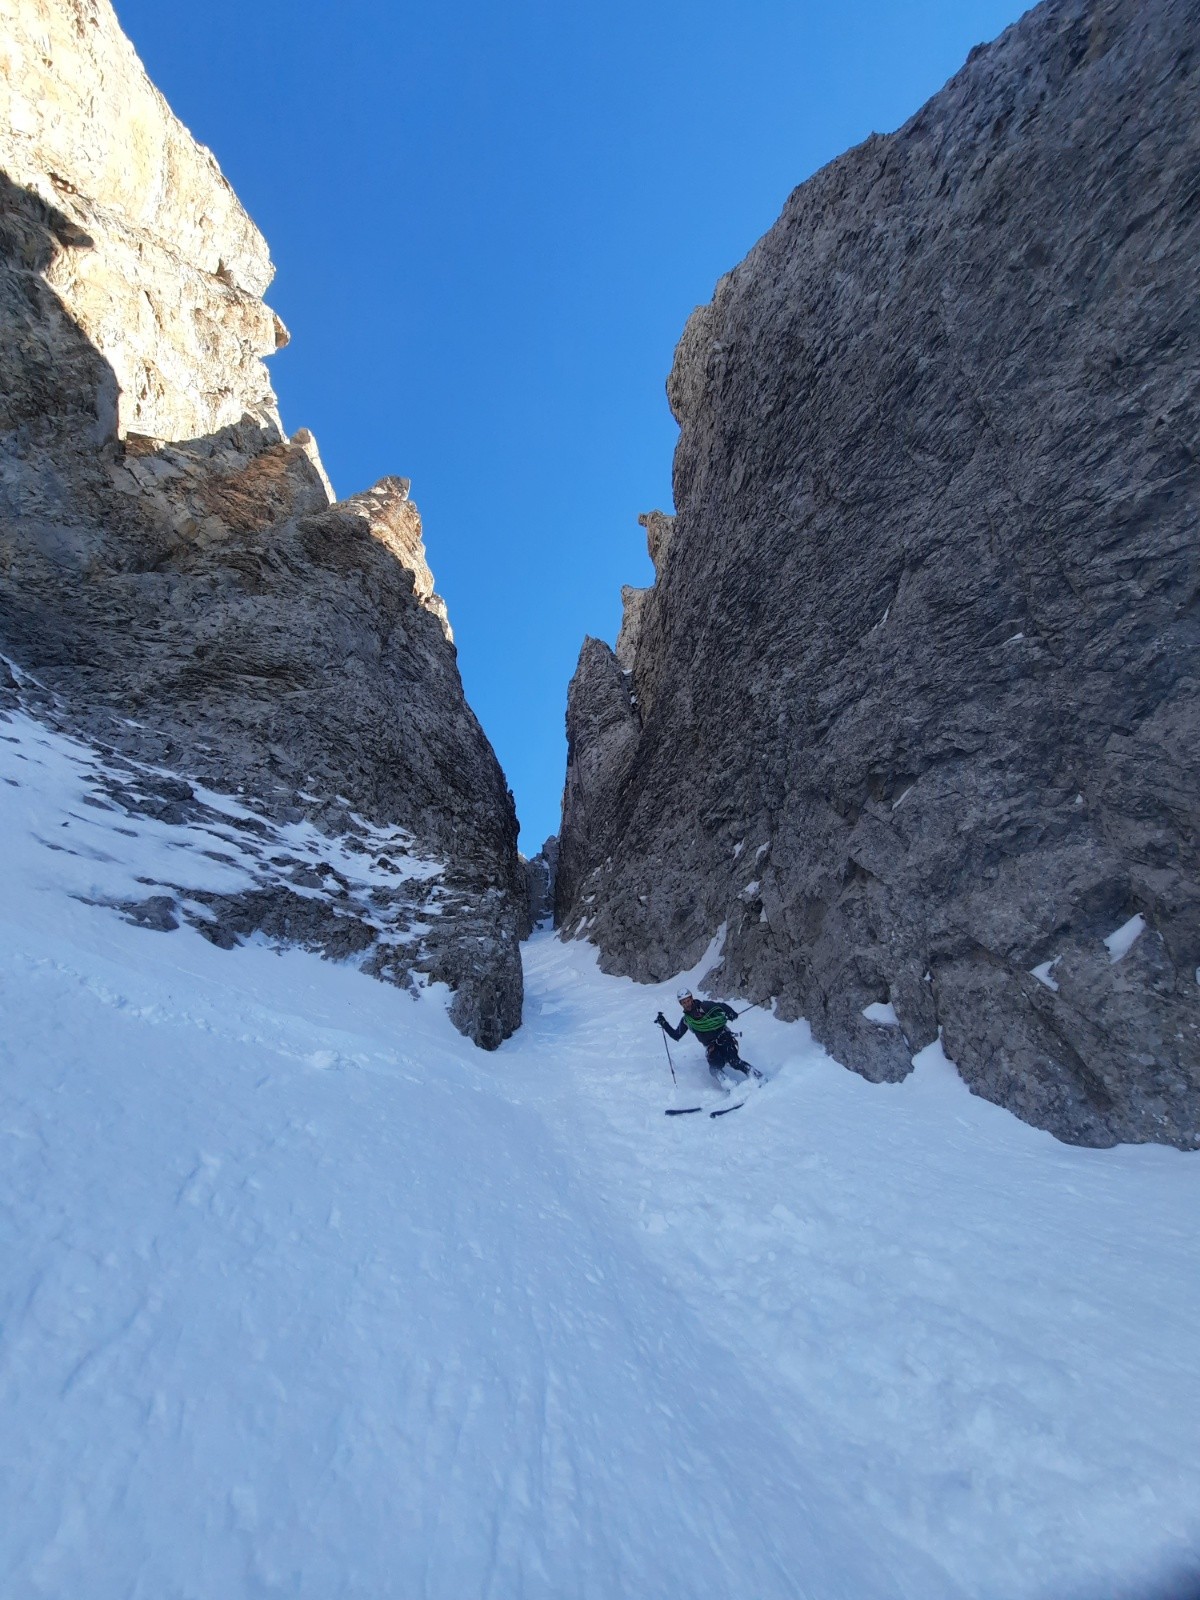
170, 290
540, 871
913, 705
173, 572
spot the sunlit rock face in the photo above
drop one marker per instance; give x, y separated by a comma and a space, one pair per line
913, 705
173, 569
170, 291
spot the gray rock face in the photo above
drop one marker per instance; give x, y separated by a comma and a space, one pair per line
914, 708
540, 872
602, 740
172, 571
360, 892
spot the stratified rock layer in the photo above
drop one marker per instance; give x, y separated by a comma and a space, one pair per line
172, 570
914, 707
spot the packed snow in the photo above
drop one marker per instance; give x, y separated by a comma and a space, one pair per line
882, 1012
1044, 973
301, 1295
1122, 941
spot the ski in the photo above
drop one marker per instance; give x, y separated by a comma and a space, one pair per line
756, 1078
688, 1111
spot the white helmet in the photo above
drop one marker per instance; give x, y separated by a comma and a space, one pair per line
683, 994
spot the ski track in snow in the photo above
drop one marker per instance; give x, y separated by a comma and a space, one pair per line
300, 1295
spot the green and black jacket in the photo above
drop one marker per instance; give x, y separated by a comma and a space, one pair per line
706, 1019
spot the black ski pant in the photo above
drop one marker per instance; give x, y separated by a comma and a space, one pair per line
723, 1052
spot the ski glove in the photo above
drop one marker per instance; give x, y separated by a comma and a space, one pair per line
661, 1020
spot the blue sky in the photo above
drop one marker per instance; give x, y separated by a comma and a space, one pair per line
490, 223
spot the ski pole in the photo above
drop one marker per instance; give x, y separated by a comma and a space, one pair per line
670, 1063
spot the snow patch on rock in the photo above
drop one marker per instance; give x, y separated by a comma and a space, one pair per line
883, 1013
1120, 943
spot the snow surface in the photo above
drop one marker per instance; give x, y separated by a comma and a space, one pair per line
883, 1013
301, 1295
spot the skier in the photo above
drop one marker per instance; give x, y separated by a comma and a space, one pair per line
708, 1020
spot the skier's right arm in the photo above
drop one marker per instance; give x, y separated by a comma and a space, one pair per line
676, 1033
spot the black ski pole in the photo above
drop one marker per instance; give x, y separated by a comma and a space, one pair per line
670, 1063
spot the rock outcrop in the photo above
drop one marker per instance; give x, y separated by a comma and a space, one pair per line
168, 283
540, 871
914, 702
174, 574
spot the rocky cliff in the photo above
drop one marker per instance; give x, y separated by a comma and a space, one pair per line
175, 578
540, 872
912, 708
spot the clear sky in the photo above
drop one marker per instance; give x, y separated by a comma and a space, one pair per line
490, 222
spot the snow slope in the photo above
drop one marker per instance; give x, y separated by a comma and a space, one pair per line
300, 1295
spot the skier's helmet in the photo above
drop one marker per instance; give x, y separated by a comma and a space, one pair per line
683, 994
